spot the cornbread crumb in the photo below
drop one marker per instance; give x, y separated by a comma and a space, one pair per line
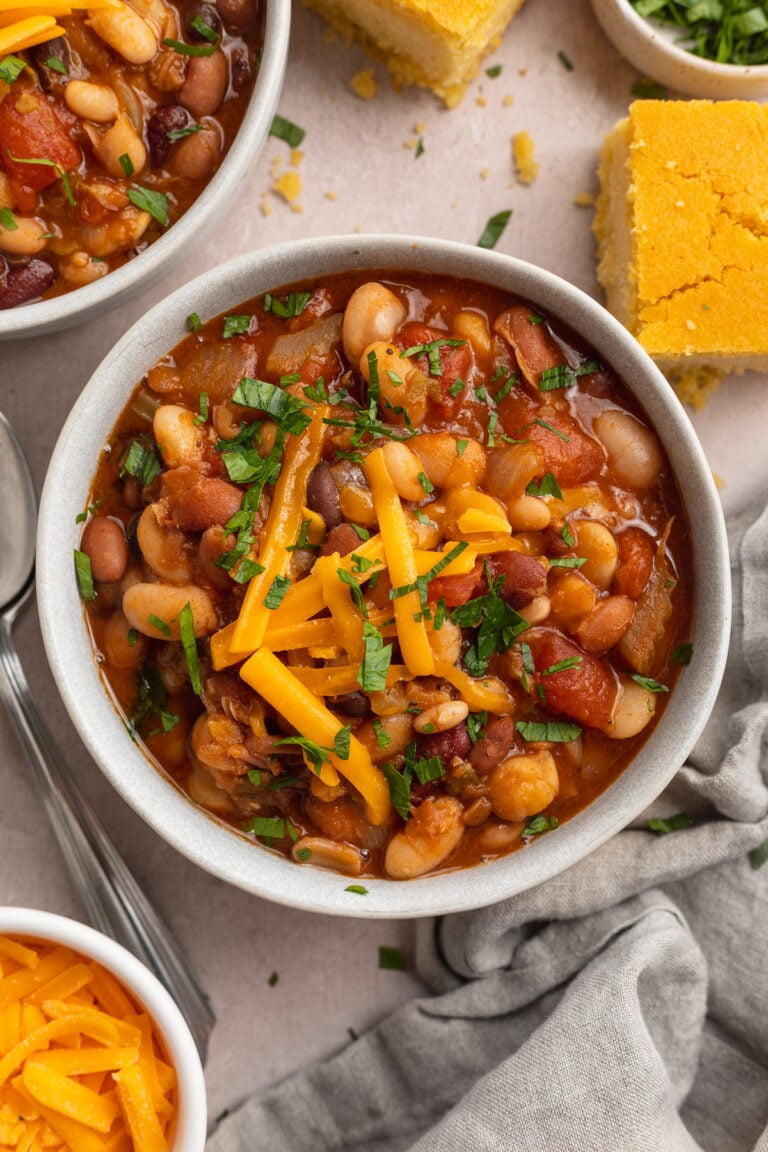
297, 208
526, 167
481, 102
296, 157
484, 173
412, 143
508, 100
719, 482
288, 186
275, 165
584, 199
682, 239
265, 208
331, 196
420, 127
364, 84
437, 44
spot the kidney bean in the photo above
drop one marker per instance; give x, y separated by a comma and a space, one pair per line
241, 67
524, 578
104, 543
586, 692
206, 504
555, 544
351, 704
42, 53
323, 495
239, 13
445, 745
342, 539
24, 283
605, 625
205, 85
165, 118
201, 11
493, 745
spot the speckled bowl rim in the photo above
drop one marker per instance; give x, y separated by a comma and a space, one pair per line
87, 302
183, 1055
701, 78
201, 837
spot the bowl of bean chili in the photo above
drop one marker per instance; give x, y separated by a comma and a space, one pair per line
125, 128
401, 582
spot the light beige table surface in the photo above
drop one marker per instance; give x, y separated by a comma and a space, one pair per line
356, 152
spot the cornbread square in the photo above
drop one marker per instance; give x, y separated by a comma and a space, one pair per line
682, 233
438, 44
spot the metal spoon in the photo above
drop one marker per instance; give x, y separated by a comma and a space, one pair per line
113, 901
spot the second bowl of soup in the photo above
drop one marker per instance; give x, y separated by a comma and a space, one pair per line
390, 574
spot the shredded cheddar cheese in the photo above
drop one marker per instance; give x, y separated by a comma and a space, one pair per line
30, 22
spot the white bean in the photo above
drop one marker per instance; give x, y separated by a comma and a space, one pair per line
121, 142
428, 838
523, 785
528, 514
473, 327
441, 717
328, 854
25, 239
81, 268
95, 102
633, 451
165, 602
537, 611
126, 32
442, 463
633, 710
179, 441
405, 468
373, 314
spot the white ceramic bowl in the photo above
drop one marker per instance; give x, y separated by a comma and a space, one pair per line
201, 837
654, 51
86, 303
147, 989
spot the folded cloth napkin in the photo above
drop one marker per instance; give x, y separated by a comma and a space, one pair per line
622, 1005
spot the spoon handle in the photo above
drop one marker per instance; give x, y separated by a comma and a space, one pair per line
113, 901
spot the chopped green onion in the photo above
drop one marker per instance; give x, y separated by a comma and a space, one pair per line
493, 229
190, 49
235, 326
126, 164
189, 644
566, 63
161, 625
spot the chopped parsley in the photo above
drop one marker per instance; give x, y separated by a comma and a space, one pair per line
494, 229
341, 742
179, 133
236, 326
457, 387
155, 203
419, 149
293, 305
159, 624
759, 855
202, 416
538, 824
567, 535
726, 31
194, 323
142, 462
286, 410
151, 703
383, 739
682, 654
495, 71
11, 67
421, 583
498, 626
399, 789
277, 591
189, 644
84, 575
303, 854
126, 164
317, 754
267, 827
47, 164
476, 722
363, 533
551, 428
662, 824
8, 220
184, 49
648, 683
426, 483
391, 958
284, 130
359, 890
273, 979
566, 63
547, 486
432, 352
568, 562
372, 673
563, 665
551, 731
563, 376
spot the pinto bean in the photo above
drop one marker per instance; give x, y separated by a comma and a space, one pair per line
24, 283
239, 13
118, 648
205, 85
206, 504
104, 542
445, 745
165, 118
493, 745
197, 155
342, 539
323, 495
214, 542
605, 625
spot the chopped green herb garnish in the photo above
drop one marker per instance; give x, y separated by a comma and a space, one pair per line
461, 447
194, 323
132, 637
277, 591
84, 575
759, 855
202, 415
563, 665
419, 149
293, 305
372, 673
383, 739
269, 827
547, 486
648, 683
566, 63
284, 130
421, 583
286, 410
392, 958
303, 853
189, 644
48, 164
184, 49
363, 533
359, 890
315, 753
126, 164
316, 392
151, 702
561, 376
441, 611
552, 731
649, 90
726, 31
551, 428
568, 562
142, 462
493, 229
399, 789
498, 626
567, 535
476, 722
254, 776
666, 824
8, 220
426, 483
538, 824
236, 326
155, 203
11, 67
494, 71
273, 979
179, 133
682, 654
457, 387
432, 352
161, 625
422, 517
341, 742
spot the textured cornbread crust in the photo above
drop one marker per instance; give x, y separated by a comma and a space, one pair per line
682, 234
437, 44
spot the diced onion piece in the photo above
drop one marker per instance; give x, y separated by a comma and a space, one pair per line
411, 631
281, 688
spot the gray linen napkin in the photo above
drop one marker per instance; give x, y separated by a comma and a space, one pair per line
622, 1005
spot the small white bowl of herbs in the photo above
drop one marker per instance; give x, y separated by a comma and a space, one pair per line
716, 49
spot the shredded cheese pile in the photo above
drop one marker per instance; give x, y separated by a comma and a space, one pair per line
261, 630
26, 23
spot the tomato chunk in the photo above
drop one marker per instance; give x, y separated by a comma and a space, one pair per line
636, 549
455, 590
30, 130
456, 363
586, 691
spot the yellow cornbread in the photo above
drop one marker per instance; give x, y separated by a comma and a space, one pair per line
437, 44
682, 232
